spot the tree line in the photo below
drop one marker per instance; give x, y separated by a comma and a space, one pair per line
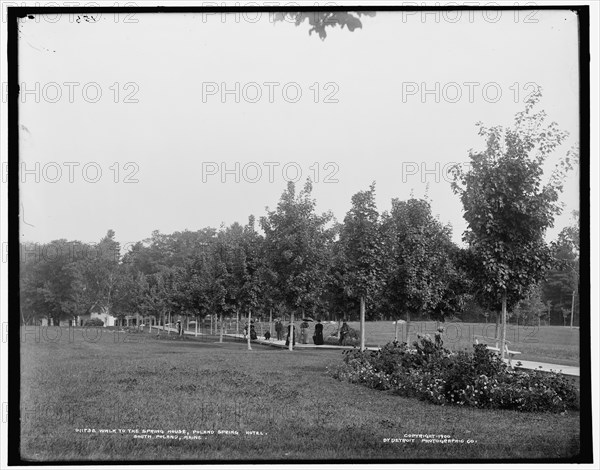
401, 263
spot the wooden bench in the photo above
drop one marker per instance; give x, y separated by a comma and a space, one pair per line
496, 348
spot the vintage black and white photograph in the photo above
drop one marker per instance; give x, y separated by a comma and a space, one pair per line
298, 233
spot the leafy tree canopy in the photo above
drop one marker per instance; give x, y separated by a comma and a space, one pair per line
319, 21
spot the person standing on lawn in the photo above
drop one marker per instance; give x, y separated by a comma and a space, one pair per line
304, 332
318, 336
279, 329
344, 330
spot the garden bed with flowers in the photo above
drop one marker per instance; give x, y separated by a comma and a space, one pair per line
477, 378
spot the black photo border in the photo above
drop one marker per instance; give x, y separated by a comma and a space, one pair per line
14, 342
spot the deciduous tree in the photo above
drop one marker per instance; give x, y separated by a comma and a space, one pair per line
362, 246
508, 207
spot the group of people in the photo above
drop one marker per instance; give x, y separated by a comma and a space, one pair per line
304, 327
252, 331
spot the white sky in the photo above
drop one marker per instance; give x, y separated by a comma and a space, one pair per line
371, 133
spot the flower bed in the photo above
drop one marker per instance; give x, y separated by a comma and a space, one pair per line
479, 378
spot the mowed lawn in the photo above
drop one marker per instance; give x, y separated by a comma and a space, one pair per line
551, 344
281, 404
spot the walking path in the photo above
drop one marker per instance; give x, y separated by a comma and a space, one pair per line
270, 342
281, 344
530, 365
543, 366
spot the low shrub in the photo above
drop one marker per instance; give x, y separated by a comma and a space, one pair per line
94, 322
477, 378
536, 391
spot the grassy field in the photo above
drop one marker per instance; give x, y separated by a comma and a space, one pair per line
202, 400
550, 344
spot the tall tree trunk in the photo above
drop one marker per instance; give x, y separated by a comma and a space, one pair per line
221, 335
271, 321
497, 325
396, 330
503, 343
572, 309
362, 323
248, 335
407, 327
196, 329
291, 337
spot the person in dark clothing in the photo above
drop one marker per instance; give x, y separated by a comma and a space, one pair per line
344, 330
267, 335
287, 340
252, 332
318, 336
279, 330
